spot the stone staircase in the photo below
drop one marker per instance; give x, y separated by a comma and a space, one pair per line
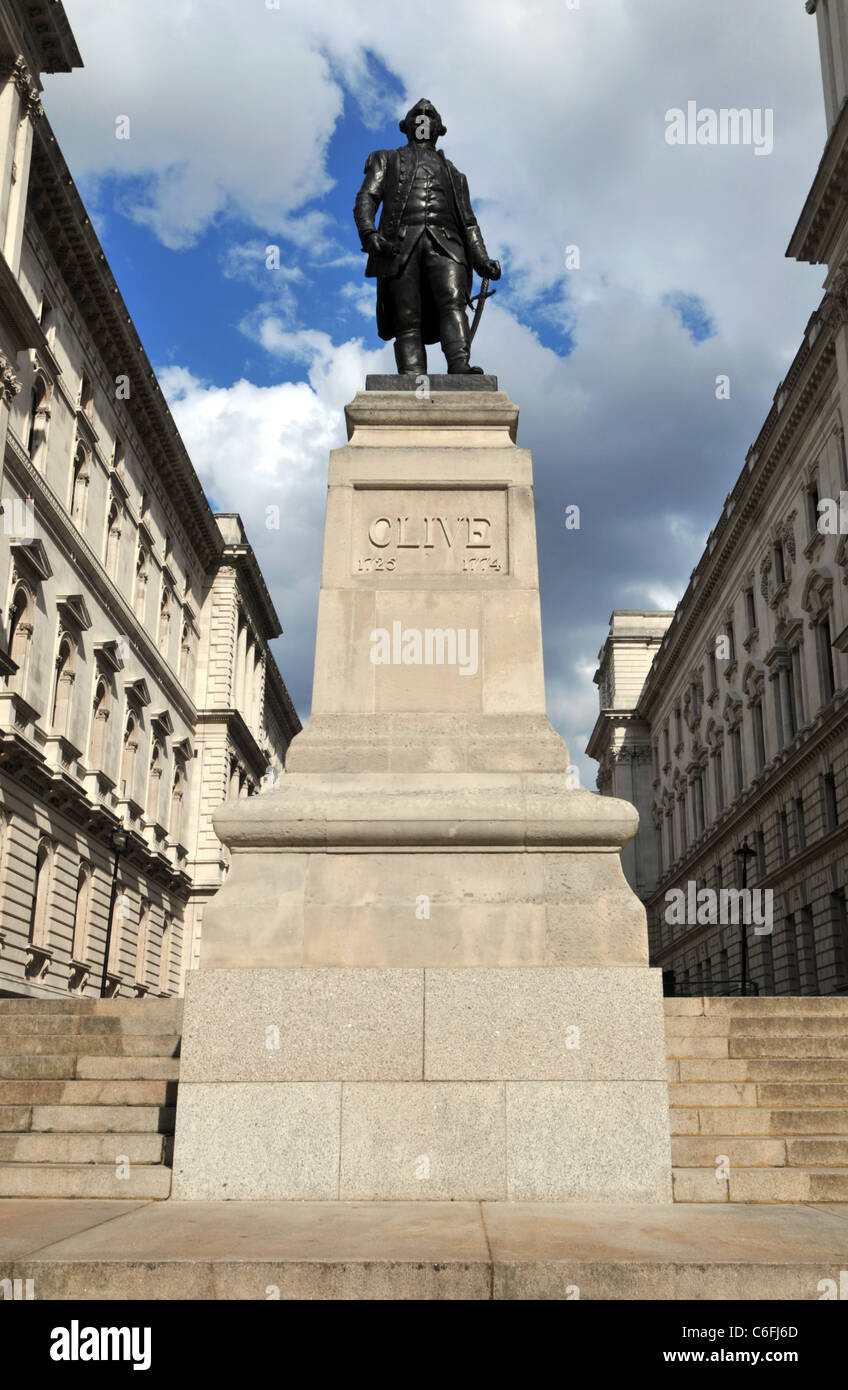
762, 1084
87, 1095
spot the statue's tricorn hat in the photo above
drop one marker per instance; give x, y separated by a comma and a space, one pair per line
408, 122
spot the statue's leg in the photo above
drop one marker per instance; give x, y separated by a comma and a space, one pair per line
405, 293
447, 281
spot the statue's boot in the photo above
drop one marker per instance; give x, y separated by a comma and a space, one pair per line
410, 354
454, 326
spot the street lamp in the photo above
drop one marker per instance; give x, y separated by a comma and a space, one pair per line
119, 840
743, 854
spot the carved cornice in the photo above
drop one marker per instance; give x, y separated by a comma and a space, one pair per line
15, 70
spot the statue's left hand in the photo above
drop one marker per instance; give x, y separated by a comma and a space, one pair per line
489, 270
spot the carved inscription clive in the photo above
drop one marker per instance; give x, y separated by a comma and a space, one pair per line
430, 531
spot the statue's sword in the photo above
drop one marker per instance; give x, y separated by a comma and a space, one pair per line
484, 294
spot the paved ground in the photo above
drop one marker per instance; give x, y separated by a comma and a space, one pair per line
89, 1249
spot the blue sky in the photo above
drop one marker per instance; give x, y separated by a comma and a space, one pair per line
250, 126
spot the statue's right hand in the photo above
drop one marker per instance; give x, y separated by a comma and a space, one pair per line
379, 246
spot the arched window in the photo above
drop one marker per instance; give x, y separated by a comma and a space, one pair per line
142, 942
38, 417
81, 908
20, 635
113, 540
164, 621
128, 758
175, 826
165, 954
38, 919
141, 578
99, 721
154, 783
63, 685
186, 663
80, 479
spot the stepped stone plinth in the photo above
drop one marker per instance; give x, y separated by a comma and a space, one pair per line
426, 976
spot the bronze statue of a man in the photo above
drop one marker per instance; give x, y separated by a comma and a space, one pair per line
426, 246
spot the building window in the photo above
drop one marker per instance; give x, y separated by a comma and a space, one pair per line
154, 783
81, 906
824, 652
130, 750
187, 671
63, 684
807, 951
113, 540
164, 621
731, 643
38, 917
800, 827
779, 564
141, 578
713, 669
783, 835
99, 721
39, 415
796, 689
142, 942
831, 819
718, 774
812, 496
175, 826
80, 479
750, 610
698, 803
678, 728
165, 954
666, 746
760, 844
738, 769
759, 736
86, 395
20, 636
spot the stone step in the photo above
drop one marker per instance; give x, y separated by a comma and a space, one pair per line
800, 1094
823, 1046
81, 1148
761, 1185
770, 1094
136, 1008
762, 1069
33, 1068
128, 1068
757, 1007
709, 1151
428, 1251
753, 1120
819, 1151
98, 1092
110, 1045
72, 1025
811, 1026
145, 1180
90, 1119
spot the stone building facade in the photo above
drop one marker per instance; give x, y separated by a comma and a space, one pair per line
726, 722
137, 690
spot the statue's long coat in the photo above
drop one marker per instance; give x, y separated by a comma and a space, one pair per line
389, 175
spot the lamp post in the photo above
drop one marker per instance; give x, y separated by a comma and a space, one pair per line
119, 840
743, 854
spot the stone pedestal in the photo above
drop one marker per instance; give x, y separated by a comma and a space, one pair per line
426, 976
